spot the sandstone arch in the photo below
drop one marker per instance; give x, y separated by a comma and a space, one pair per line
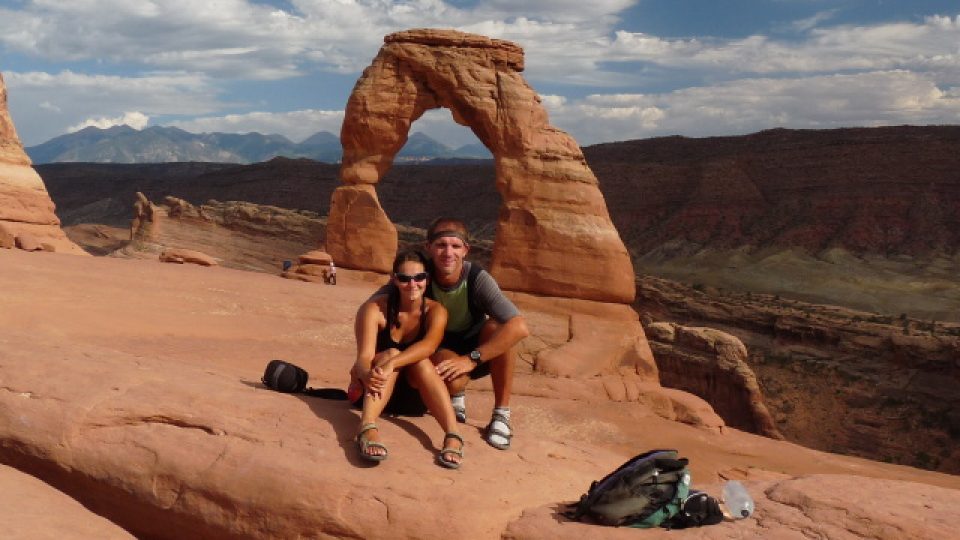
554, 234
26, 209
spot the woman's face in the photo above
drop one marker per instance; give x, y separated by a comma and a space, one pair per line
411, 279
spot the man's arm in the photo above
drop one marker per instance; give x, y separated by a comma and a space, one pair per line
511, 328
505, 336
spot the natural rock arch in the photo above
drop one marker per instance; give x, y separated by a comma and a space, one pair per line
554, 233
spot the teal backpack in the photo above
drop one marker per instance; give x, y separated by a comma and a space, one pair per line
647, 491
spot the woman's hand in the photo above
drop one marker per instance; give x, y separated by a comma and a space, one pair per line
362, 374
382, 368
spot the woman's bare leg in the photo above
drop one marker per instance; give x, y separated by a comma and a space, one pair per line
373, 405
423, 376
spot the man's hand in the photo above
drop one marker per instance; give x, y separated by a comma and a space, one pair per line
452, 368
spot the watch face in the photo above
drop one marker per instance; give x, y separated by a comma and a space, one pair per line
475, 355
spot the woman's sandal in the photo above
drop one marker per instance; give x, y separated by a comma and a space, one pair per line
494, 430
450, 450
365, 445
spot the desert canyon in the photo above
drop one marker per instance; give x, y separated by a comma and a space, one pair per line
130, 399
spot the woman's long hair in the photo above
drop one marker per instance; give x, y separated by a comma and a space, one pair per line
393, 296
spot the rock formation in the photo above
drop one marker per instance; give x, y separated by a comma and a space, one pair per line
359, 233
243, 235
181, 255
138, 394
312, 266
713, 365
554, 234
31, 509
875, 386
884, 190
25, 205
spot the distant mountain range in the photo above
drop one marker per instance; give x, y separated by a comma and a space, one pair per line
157, 144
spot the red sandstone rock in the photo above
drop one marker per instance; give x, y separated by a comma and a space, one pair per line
180, 255
7, 238
154, 418
301, 276
25, 205
240, 234
359, 233
28, 242
316, 257
313, 270
593, 339
554, 234
30, 509
713, 365
882, 375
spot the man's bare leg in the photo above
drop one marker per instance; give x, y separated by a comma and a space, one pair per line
455, 387
498, 432
501, 369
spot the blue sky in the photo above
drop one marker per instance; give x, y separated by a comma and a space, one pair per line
607, 70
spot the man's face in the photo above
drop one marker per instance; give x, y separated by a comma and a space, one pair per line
447, 253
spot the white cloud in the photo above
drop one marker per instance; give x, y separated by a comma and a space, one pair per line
808, 23
44, 104
240, 38
749, 105
879, 47
229, 36
134, 119
185, 56
735, 107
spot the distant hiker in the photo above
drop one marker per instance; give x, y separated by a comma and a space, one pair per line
396, 334
483, 325
332, 274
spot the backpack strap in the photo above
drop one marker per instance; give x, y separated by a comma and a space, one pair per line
476, 313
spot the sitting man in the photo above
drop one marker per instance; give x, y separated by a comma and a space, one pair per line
483, 325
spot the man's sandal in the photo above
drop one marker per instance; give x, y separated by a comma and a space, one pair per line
366, 445
441, 456
499, 426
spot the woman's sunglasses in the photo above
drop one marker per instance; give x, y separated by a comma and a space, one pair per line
405, 278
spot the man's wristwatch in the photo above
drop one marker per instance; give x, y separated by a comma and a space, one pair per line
475, 357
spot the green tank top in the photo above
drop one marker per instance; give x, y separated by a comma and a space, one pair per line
457, 304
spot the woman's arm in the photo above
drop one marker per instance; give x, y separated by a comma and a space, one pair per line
436, 323
365, 328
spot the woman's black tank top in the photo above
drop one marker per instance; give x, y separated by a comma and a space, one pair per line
385, 341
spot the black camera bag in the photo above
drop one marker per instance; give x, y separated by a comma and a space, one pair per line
285, 377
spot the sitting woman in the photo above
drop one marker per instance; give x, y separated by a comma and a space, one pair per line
396, 334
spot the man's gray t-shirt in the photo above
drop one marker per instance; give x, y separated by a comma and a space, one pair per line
487, 297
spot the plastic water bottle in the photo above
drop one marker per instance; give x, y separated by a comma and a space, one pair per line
737, 500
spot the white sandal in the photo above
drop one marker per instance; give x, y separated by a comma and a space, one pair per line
499, 426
